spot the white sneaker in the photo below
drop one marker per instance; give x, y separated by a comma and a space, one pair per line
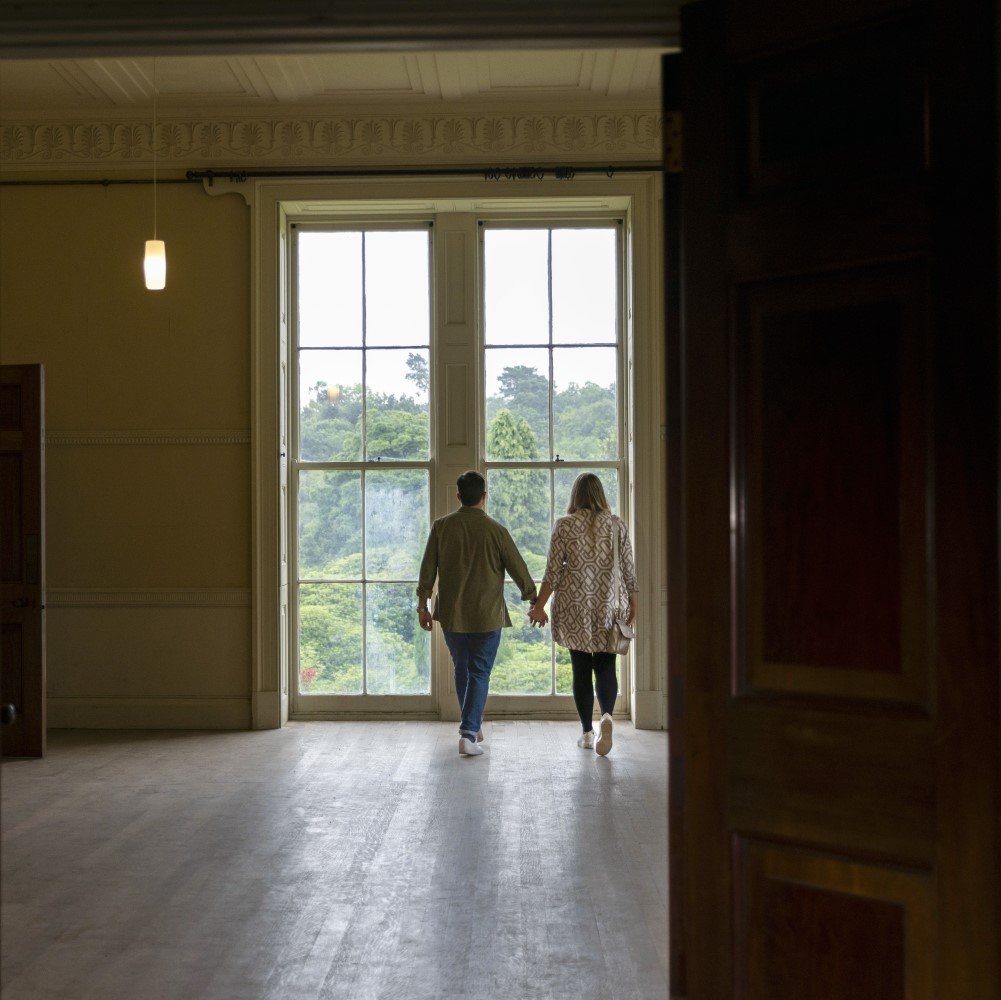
587, 740
469, 748
604, 743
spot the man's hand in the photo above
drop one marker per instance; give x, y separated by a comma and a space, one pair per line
425, 617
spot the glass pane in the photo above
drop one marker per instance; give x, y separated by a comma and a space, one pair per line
330, 406
524, 660
519, 499
517, 395
397, 387
329, 525
585, 426
330, 638
396, 523
564, 479
397, 650
330, 286
585, 286
516, 286
397, 299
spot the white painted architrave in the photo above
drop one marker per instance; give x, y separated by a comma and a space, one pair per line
645, 360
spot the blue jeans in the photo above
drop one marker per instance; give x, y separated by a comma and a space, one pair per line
473, 658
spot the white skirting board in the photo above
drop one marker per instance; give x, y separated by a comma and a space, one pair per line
648, 709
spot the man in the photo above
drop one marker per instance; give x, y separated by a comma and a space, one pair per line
470, 552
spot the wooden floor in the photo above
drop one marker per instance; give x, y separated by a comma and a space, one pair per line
363, 861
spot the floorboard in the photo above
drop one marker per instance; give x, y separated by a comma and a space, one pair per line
343, 861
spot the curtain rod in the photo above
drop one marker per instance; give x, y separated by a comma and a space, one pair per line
103, 182
562, 173
488, 173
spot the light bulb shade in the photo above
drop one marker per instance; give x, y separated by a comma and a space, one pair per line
155, 265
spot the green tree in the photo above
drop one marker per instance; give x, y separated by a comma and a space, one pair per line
584, 422
330, 423
418, 373
525, 393
330, 639
519, 498
525, 384
510, 439
395, 433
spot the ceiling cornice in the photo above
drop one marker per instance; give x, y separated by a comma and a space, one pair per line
115, 145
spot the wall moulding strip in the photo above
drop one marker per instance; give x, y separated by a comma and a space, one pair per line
67, 597
476, 138
55, 438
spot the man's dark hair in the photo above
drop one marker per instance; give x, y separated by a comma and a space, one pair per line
471, 486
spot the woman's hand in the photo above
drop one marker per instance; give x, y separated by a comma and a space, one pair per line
632, 611
537, 615
537, 612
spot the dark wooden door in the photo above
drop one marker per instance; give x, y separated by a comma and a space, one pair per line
835, 597
22, 558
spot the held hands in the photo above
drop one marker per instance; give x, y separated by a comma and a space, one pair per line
537, 615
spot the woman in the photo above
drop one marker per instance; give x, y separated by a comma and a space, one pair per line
580, 573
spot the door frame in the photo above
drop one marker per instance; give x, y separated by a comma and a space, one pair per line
747, 810
22, 600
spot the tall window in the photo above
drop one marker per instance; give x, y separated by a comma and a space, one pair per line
552, 322
362, 339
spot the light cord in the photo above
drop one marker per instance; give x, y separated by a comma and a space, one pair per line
153, 141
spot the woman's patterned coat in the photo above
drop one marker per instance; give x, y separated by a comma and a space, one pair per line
579, 570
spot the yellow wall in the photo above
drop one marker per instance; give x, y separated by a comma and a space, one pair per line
148, 456
149, 393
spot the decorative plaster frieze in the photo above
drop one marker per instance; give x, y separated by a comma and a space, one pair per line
616, 137
60, 597
113, 437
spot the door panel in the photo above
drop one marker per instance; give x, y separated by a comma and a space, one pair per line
814, 940
833, 474
838, 622
22, 559
832, 779
830, 111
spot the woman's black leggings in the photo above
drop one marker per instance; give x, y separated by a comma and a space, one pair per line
605, 683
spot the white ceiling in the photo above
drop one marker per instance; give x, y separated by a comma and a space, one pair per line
582, 77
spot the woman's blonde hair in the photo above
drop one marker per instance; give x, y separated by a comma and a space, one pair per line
587, 493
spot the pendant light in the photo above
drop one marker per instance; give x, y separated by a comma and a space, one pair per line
155, 259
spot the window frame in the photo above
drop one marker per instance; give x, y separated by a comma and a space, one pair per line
510, 703
278, 203
303, 704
